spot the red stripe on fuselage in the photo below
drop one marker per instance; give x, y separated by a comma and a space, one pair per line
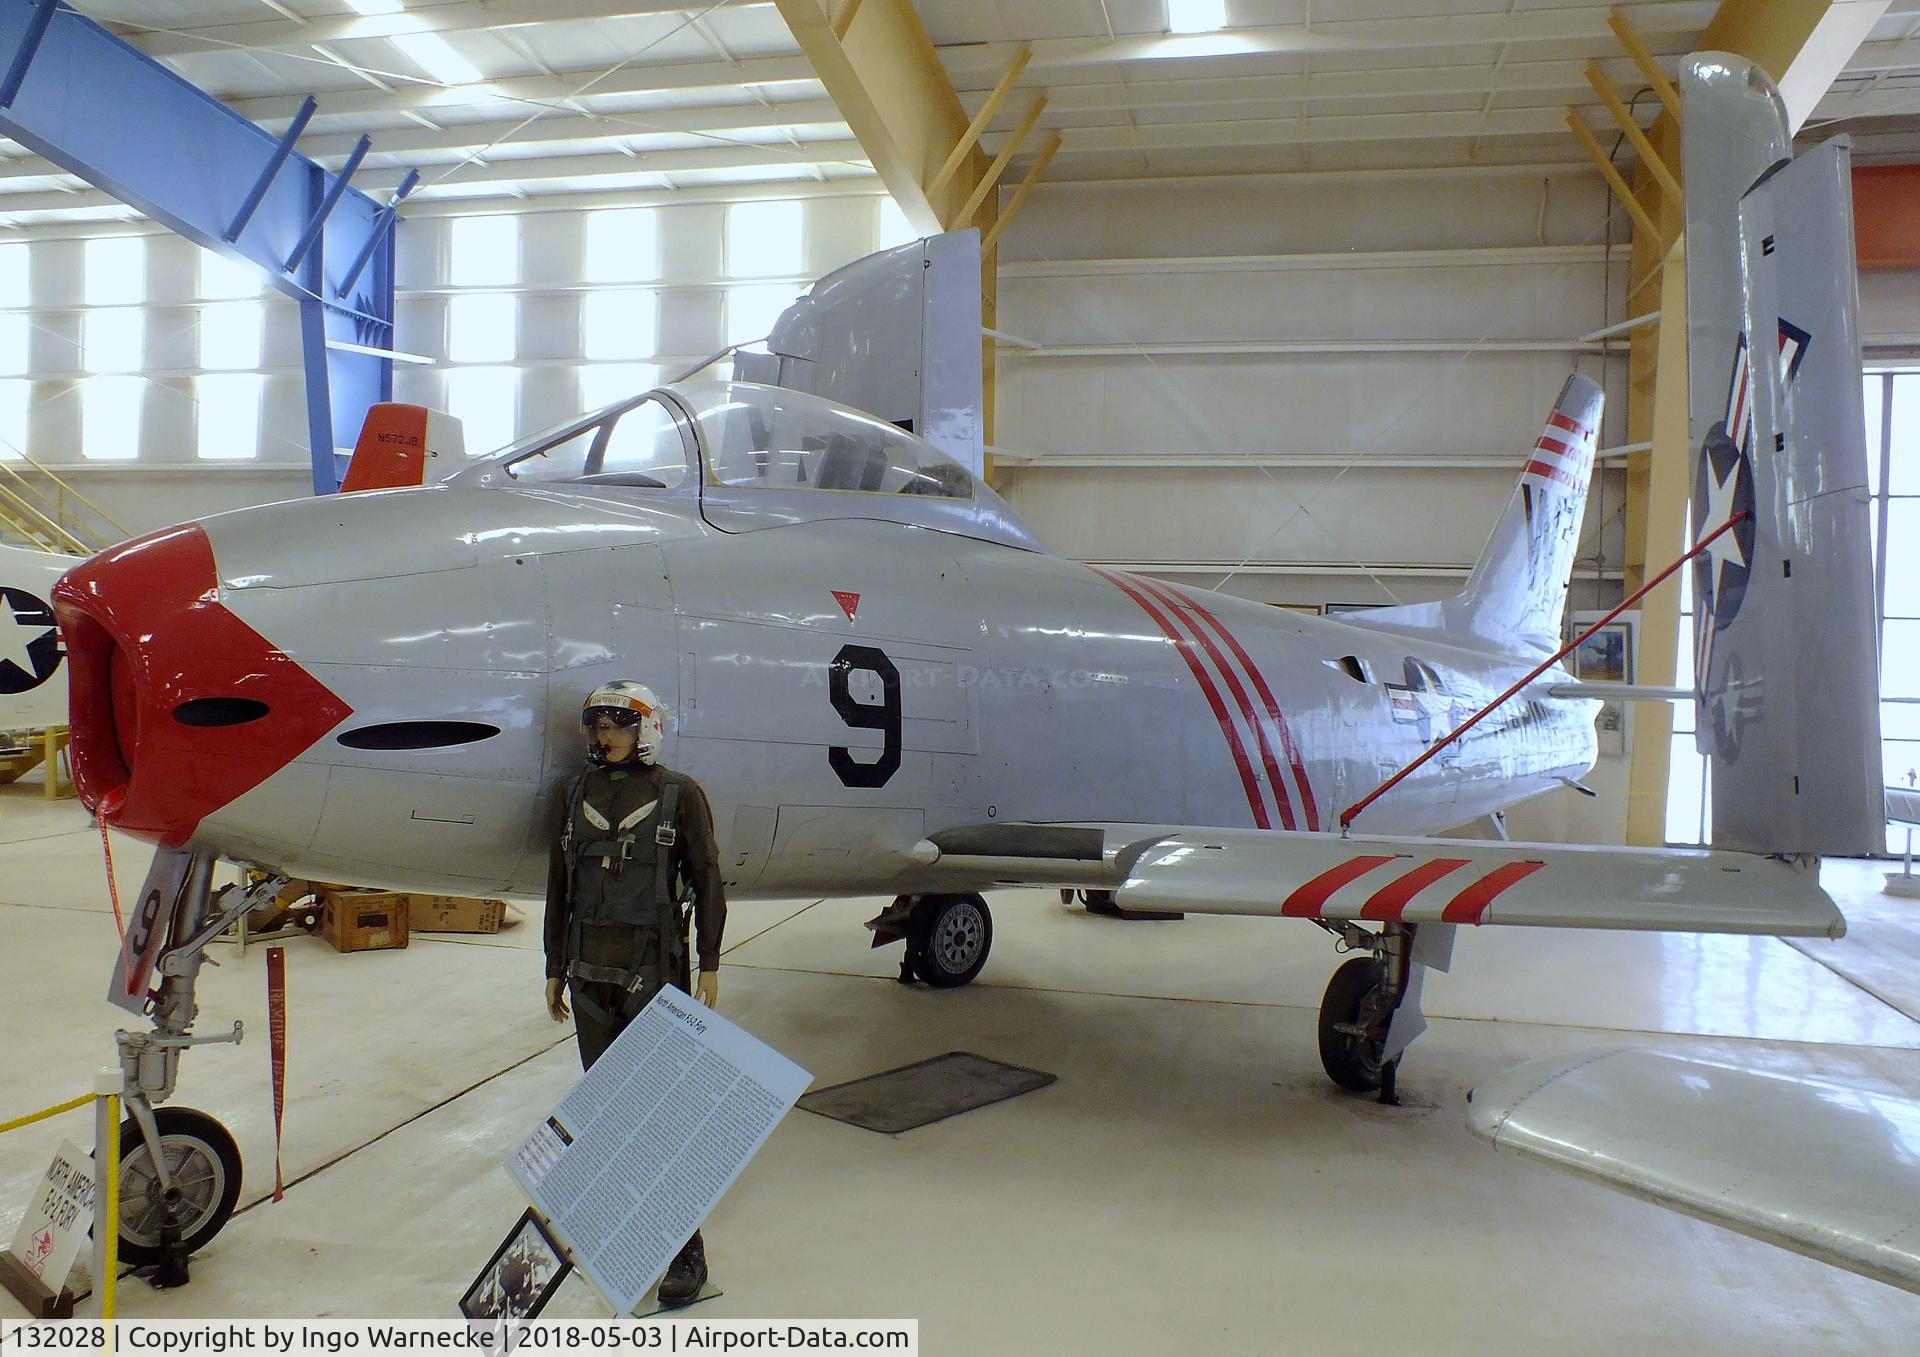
1560, 421
1470, 906
1312, 813
1387, 904
1267, 760
1255, 802
1310, 899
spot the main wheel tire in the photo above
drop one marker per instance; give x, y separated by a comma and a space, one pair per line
204, 1164
1353, 1062
952, 935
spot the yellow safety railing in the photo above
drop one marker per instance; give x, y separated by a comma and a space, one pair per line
106, 1154
35, 537
44, 1113
61, 539
20, 491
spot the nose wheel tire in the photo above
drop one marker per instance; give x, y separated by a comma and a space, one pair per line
949, 939
203, 1164
1349, 1013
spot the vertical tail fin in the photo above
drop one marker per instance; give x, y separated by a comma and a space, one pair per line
1785, 656
1517, 593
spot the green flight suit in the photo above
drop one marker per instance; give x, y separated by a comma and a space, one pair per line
609, 932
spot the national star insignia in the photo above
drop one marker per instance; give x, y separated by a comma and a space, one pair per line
1725, 548
17, 638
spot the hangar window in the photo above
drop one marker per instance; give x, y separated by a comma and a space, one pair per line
623, 245
222, 278
486, 401
15, 397
770, 438
482, 327
484, 251
751, 311
619, 324
228, 409
110, 418
111, 339
764, 239
602, 384
230, 335
116, 270
15, 335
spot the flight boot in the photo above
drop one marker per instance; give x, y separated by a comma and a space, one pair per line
686, 1274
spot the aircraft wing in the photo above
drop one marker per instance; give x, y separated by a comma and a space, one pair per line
1827, 1171
1382, 879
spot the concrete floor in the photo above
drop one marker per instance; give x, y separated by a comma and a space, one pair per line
1191, 1181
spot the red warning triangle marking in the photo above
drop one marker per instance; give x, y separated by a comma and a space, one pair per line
849, 603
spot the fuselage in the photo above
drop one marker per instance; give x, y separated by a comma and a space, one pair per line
385, 688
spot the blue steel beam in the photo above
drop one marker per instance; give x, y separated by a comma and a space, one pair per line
279, 157
115, 117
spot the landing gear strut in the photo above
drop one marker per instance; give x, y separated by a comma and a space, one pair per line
179, 1168
947, 936
1370, 1013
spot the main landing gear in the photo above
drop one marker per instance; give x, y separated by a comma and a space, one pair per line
1370, 1013
947, 936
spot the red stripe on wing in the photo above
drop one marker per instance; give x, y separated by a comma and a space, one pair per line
1470, 906
1310, 899
1387, 904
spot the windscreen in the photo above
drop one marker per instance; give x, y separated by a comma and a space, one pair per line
641, 445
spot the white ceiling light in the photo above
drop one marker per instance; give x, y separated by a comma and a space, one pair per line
1196, 16
429, 51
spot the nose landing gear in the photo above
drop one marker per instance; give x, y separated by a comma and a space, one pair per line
179, 1168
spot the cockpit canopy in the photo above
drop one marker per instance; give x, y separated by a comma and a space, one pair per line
750, 452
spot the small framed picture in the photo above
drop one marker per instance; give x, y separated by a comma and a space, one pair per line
1606, 656
522, 1275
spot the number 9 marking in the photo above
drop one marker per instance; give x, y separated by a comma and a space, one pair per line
883, 716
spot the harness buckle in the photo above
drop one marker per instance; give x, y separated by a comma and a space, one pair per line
666, 835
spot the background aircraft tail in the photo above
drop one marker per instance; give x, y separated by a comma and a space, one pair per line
1785, 662
1517, 594
33, 681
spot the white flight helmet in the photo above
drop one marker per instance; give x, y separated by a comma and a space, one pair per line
628, 704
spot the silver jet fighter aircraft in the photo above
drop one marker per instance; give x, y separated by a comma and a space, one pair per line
883, 680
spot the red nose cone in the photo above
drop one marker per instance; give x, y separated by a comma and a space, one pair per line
177, 706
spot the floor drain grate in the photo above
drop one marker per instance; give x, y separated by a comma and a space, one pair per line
921, 1094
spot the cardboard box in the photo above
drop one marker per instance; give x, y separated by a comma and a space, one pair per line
454, 914
363, 921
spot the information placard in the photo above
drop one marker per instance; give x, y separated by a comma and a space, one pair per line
648, 1141
59, 1217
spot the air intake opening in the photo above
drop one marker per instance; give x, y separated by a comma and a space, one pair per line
418, 735
219, 711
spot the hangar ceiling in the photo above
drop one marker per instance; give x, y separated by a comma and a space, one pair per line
518, 98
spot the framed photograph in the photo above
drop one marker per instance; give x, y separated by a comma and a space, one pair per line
522, 1275
1606, 656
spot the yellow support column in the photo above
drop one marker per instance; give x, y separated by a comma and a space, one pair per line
880, 69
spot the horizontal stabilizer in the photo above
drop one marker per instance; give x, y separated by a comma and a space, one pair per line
1824, 1170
